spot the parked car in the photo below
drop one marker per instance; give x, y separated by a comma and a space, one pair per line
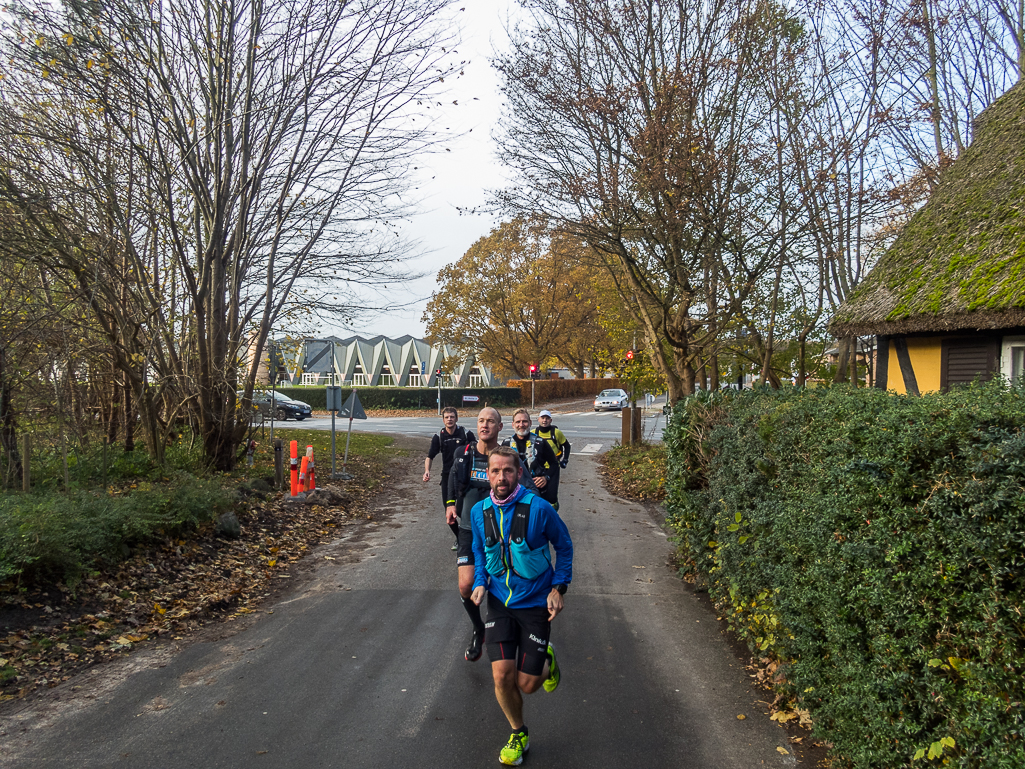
284, 407
611, 399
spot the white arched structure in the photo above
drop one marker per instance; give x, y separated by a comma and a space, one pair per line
381, 361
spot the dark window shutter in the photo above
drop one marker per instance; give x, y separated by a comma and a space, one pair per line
967, 359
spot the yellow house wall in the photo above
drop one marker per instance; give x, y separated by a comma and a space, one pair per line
925, 355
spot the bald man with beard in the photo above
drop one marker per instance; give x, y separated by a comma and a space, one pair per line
468, 485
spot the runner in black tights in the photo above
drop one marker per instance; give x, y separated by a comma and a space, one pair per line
451, 438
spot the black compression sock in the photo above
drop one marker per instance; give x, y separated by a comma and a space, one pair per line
523, 729
474, 611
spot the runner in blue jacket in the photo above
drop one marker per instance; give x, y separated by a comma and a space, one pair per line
512, 531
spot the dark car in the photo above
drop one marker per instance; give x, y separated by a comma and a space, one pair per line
284, 407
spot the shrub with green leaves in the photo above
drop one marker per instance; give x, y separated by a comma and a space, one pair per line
62, 535
874, 543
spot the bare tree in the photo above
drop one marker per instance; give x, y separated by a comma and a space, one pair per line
223, 163
634, 126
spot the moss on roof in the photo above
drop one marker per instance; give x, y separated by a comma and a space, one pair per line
960, 262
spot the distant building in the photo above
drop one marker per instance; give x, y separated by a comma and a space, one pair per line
380, 361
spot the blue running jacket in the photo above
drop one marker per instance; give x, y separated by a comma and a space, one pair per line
544, 526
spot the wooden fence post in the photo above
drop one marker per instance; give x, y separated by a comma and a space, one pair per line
279, 464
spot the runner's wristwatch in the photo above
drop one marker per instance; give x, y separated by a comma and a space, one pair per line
560, 588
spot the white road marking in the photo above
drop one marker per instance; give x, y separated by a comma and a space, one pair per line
591, 448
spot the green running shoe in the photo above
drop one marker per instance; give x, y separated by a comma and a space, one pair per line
512, 753
552, 682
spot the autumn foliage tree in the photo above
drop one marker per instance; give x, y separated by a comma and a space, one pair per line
519, 296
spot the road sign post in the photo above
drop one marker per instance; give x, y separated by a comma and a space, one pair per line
333, 395
354, 410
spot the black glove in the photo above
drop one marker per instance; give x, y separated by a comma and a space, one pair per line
563, 463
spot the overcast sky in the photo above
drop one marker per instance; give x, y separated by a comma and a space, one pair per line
460, 177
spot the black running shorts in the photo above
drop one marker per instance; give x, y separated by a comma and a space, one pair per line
520, 634
464, 548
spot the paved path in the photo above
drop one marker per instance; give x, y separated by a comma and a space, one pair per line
362, 667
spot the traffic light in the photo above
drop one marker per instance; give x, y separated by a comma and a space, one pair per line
629, 355
533, 371
438, 372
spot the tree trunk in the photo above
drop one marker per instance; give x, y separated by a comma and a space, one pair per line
8, 426
802, 360
129, 415
112, 410
843, 351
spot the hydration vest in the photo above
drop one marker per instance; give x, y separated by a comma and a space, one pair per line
549, 437
529, 453
518, 558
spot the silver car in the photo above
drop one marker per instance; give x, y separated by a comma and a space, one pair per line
611, 399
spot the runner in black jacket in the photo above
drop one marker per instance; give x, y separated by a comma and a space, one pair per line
446, 443
468, 484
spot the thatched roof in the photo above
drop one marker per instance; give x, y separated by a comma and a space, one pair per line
960, 262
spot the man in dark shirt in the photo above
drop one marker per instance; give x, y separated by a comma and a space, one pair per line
445, 443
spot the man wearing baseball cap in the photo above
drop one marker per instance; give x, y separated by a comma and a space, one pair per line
546, 431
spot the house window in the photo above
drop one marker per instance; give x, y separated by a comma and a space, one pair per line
309, 380
359, 380
1012, 358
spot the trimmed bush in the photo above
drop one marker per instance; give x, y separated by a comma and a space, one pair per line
409, 397
875, 544
551, 389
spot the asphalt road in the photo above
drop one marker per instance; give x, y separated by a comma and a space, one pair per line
598, 430
362, 666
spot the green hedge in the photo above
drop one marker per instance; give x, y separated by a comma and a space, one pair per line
408, 397
874, 543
